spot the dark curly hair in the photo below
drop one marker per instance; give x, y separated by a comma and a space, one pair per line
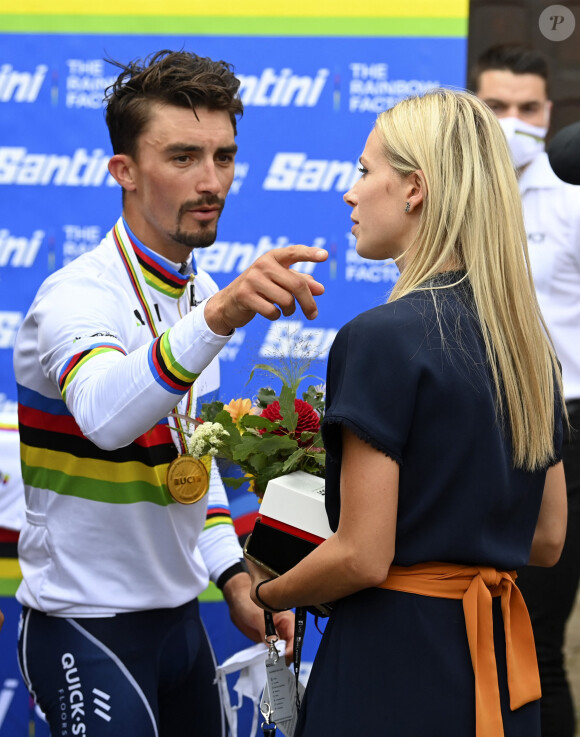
171, 77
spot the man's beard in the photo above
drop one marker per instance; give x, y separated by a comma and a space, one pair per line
208, 231
201, 239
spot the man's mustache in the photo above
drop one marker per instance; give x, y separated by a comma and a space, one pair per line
207, 201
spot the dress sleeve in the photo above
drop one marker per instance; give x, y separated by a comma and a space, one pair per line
374, 369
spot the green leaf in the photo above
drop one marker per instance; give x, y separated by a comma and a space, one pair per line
293, 460
317, 440
255, 463
269, 445
287, 409
314, 398
320, 458
272, 444
306, 436
266, 396
270, 369
262, 423
269, 472
248, 444
234, 482
210, 410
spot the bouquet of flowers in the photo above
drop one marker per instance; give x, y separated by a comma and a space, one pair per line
269, 437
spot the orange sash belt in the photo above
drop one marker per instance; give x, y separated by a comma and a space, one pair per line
476, 586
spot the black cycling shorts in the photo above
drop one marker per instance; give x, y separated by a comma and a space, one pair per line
142, 674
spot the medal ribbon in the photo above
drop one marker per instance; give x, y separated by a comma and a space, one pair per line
140, 288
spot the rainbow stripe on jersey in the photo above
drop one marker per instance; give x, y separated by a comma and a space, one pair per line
57, 456
217, 515
79, 359
167, 371
158, 276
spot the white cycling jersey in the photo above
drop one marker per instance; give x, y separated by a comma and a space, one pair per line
102, 357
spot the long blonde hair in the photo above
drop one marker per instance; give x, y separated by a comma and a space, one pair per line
472, 219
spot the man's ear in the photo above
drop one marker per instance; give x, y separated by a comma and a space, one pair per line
121, 167
417, 189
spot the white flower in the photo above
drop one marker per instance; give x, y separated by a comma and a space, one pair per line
206, 439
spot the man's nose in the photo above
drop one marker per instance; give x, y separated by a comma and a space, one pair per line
209, 180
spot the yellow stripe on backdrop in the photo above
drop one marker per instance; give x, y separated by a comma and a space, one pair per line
250, 8
376, 18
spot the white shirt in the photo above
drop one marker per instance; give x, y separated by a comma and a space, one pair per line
552, 219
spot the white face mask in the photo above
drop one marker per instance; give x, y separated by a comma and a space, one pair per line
525, 141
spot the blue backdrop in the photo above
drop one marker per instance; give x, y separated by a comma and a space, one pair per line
309, 106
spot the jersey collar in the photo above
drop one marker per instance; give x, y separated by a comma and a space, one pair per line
158, 272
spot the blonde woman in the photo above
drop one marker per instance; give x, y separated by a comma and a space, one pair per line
443, 431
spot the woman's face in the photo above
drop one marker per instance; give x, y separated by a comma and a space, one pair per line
382, 227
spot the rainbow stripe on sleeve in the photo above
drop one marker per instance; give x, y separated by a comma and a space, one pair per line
167, 371
72, 366
57, 456
217, 515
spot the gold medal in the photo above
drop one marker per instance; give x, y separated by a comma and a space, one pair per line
187, 479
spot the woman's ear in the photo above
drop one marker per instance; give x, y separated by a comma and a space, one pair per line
121, 168
417, 190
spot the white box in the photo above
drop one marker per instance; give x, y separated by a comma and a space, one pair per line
297, 499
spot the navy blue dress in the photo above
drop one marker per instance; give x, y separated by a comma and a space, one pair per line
411, 378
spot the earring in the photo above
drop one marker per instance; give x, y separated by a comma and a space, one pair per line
407, 207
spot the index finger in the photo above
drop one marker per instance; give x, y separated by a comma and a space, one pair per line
293, 254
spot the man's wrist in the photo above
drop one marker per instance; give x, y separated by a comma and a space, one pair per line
239, 567
214, 317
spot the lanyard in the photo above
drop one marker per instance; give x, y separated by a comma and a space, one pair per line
299, 629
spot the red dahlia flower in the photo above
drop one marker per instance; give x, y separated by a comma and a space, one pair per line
308, 420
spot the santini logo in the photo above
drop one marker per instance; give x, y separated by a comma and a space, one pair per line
15, 251
21, 86
228, 256
82, 169
294, 171
282, 89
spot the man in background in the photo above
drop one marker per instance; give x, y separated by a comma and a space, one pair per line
513, 81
